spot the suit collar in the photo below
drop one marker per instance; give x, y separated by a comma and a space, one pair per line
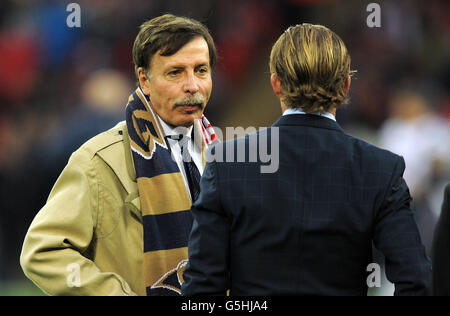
307, 120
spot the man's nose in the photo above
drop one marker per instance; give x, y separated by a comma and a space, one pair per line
191, 84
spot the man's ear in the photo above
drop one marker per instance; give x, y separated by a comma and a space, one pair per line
276, 85
144, 81
347, 84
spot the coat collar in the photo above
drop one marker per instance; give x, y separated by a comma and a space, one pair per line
120, 159
307, 120
119, 156
131, 171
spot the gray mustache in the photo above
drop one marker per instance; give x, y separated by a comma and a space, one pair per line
196, 99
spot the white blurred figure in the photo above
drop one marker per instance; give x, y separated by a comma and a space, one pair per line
423, 139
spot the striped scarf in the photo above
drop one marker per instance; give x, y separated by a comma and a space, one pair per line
165, 201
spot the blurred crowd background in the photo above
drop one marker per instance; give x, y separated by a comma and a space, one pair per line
59, 86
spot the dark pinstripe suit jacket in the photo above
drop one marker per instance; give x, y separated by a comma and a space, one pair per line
308, 228
441, 249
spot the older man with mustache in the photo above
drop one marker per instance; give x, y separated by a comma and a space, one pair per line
118, 219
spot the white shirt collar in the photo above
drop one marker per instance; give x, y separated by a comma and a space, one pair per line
300, 111
175, 146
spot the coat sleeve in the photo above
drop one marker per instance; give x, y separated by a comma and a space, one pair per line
207, 270
397, 237
441, 249
55, 251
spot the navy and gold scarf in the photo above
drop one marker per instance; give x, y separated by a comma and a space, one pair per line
165, 201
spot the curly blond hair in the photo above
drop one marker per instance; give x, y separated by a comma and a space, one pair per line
312, 64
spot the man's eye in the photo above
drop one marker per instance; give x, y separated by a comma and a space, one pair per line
174, 72
203, 70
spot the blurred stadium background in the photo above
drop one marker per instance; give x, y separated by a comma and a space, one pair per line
59, 86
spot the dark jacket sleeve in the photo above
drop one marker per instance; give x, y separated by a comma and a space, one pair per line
441, 249
397, 237
207, 270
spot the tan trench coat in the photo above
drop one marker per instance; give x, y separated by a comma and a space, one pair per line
87, 239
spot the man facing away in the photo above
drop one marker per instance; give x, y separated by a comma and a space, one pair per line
308, 228
118, 218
